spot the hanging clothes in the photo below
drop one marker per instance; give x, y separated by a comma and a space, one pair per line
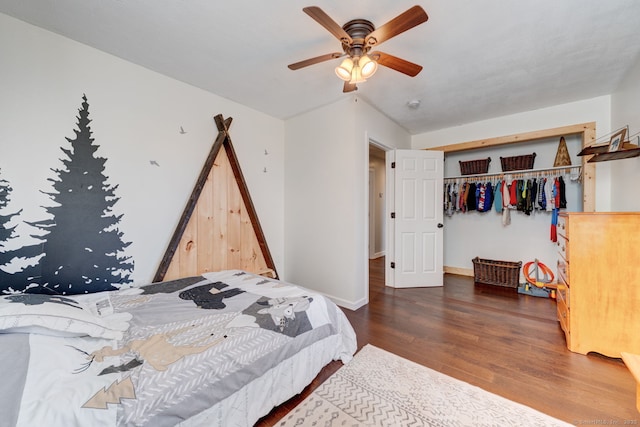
562, 191
471, 197
513, 193
462, 204
521, 194
506, 206
488, 197
481, 191
454, 197
497, 202
548, 190
532, 191
555, 191
542, 199
448, 202
534, 194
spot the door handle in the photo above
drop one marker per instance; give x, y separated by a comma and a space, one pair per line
440, 225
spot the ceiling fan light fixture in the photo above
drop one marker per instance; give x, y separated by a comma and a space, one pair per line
344, 70
356, 73
368, 66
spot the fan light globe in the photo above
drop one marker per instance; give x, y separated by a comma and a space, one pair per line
368, 66
343, 71
356, 73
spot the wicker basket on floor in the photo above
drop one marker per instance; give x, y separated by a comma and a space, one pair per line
498, 273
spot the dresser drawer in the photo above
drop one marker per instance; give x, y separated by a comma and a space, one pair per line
563, 310
563, 271
563, 292
563, 226
563, 247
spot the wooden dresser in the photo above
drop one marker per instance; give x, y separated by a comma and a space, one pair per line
599, 281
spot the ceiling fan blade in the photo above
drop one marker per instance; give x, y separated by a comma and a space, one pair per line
325, 20
395, 63
317, 59
349, 87
401, 23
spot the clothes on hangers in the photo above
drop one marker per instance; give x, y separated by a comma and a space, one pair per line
542, 199
528, 193
471, 197
497, 199
506, 206
562, 191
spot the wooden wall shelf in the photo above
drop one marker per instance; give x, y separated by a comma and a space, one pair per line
601, 152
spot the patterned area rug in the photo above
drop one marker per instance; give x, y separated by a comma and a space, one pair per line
378, 388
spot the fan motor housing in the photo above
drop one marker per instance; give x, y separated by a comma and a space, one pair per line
357, 29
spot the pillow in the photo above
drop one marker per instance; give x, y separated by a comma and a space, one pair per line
58, 315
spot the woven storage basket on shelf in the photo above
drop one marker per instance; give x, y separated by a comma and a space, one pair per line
499, 273
517, 163
474, 167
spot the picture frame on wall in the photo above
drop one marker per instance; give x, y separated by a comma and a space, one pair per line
617, 140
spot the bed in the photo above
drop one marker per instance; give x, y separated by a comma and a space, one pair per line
221, 349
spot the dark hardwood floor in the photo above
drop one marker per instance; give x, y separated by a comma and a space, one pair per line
505, 343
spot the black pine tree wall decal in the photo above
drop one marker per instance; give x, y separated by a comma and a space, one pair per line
82, 244
6, 232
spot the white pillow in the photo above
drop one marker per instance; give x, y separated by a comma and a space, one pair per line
58, 315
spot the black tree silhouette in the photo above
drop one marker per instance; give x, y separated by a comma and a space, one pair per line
20, 280
81, 242
6, 232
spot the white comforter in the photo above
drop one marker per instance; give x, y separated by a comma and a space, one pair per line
220, 349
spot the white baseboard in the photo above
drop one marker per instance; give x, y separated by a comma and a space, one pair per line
458, 270
350, 305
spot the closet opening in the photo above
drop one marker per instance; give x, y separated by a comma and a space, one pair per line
528, 235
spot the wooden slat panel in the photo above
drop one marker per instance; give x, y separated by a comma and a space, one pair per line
221, 174
188, 250
173, 270
219, 228
252, 258
204, 217
234, 223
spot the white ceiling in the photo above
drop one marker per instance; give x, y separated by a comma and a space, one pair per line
481, 58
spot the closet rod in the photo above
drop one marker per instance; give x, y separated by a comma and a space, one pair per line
524, 171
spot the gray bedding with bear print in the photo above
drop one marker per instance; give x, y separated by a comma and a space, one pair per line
219, 349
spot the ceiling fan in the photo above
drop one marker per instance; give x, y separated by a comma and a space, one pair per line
358, 36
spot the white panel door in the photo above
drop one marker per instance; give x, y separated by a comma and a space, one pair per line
418, 234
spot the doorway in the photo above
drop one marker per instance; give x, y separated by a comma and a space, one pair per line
377, 216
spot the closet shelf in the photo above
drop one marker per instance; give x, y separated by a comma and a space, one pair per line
516, 172
601, 152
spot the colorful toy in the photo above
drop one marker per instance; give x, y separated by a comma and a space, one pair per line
535, 286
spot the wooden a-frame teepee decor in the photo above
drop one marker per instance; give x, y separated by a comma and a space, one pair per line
219, 228
562, 155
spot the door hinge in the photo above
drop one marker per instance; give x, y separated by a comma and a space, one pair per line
393, 265
393, 214
393, 165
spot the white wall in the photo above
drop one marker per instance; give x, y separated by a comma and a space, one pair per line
527, 238
136, 117
625, 111
326, 196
